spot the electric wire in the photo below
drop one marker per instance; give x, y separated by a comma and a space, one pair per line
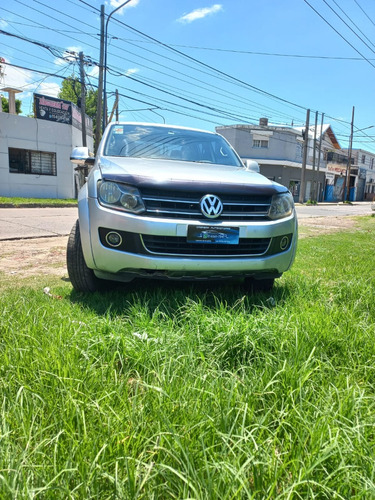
166, 46
365, 13
347, 25
89, 25
58, 55
249, 52
340, 35
351, 20
197, 61
40, 11
91, 8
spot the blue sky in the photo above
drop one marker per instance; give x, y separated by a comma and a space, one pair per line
206, 63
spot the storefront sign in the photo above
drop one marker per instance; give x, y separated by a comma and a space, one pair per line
59, 110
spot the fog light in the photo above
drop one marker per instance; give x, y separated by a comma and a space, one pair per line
113, 239
284, 242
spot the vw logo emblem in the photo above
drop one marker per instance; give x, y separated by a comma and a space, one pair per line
211, 206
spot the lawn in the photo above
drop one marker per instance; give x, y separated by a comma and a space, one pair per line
36, 202
172, 391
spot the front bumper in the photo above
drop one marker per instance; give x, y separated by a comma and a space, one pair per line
124, 265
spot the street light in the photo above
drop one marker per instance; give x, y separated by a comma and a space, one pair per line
105, 64
360, 130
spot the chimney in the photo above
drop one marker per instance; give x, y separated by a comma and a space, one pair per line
263, 122
12, 98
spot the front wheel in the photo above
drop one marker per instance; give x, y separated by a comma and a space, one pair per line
82, 278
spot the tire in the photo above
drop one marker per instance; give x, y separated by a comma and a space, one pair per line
82, 278
261, 285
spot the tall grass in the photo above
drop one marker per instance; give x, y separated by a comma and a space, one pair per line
176, 391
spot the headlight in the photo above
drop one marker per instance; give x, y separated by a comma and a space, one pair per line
281, 206
120, 196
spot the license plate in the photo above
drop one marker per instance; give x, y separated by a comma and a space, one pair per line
213, 234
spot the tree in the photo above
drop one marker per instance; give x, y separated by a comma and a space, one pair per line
5, 105
71, 91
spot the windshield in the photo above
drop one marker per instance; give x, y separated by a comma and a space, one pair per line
147, 141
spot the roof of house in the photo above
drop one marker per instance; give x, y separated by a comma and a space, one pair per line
326, 129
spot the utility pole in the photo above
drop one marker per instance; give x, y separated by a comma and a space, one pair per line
83, 99
304, 159
117, 100
319, 153
313, 197
115, 108
349, 160
100, 84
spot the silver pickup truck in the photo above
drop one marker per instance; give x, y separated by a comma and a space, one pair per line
163, 201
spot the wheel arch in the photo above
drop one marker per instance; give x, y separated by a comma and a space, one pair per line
85, 229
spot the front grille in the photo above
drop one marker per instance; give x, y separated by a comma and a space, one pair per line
172, 245
175, 204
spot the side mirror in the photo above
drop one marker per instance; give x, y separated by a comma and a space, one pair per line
252, 165
81, 156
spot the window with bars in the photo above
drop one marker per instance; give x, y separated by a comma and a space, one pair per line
26, 161
257, 143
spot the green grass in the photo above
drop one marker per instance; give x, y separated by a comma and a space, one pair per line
178, 391
31, 202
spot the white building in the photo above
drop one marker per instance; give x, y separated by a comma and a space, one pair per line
34, 155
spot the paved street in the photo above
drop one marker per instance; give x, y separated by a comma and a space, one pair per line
17, 223
333, 210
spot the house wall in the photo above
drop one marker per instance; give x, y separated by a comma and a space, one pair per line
38, 135
283, 145
290, 177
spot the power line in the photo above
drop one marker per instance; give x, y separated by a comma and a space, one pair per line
232, 78
206, 86
225, 76
56, 54
55, 75
365, 13
90, 26
347, 25
351, 20
43, 45
41, 25
215, 113
197, 61
270, 54
53, 50
335, 30
193, 59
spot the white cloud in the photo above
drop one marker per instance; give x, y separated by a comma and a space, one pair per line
94, 72
52, 89
131, 71
200, 13
117, 3
3, 23
16, 77
29, 83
